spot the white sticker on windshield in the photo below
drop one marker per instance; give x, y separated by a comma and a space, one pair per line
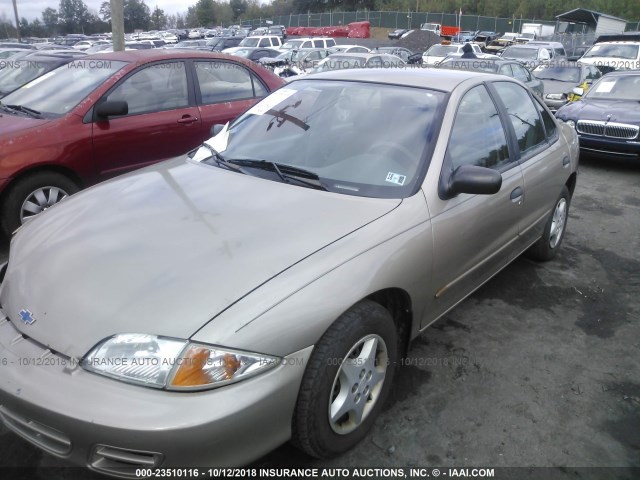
40, 79
605, 87
276, 98
396, 178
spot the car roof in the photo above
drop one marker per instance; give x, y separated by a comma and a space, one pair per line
622, 73
155, 54
434, 78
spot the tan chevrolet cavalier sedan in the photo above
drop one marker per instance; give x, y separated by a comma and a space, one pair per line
262, 288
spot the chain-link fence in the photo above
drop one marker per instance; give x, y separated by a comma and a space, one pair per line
408, 20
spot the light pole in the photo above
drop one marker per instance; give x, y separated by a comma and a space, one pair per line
117, 25
15, 11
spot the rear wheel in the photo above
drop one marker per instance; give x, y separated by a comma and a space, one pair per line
346, 382
32, 195
547, 246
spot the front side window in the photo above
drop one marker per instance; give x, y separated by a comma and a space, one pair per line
61, 90
478, 137
363, 139
523, 115
519, 73
153, 89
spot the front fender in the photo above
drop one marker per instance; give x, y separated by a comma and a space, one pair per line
293, 310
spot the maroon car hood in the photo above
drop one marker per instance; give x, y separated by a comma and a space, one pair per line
12, 125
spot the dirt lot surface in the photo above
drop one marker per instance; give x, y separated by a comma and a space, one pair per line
540, 367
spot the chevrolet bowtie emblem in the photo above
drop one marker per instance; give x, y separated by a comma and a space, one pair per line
27, 317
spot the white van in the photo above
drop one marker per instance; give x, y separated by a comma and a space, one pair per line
269, 41
309, 42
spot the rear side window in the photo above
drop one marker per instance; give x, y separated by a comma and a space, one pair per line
318, 43
523, 114
224, 82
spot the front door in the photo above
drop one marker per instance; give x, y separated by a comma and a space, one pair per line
163, 121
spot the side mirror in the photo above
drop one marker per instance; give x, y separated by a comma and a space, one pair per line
112, 108
578, 91
216, 129
474, 180
415, 58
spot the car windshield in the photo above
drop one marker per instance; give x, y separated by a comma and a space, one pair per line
562, 74
243, 52
60, 90
442, 50
616, 50
623, 87
22, 72
362, 139
291, 45
250, 42
522, 53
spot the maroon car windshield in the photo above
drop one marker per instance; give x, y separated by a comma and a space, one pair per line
59, 91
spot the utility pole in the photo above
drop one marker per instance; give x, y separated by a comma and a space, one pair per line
117, 25
15, 11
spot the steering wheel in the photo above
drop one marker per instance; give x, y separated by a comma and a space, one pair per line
406, 159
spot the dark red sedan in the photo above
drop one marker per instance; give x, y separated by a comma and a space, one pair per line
110, 113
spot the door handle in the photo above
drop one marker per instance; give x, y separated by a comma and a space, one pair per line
187, 120
516, 195
566, 162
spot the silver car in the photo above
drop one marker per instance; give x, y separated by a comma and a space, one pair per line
203, 311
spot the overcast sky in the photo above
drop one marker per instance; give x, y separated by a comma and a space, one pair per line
32, 9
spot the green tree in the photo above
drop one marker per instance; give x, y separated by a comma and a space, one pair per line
105, 11
191, 18
73, 16
204, 11
50, 20
158, 19
238, 7
136, 15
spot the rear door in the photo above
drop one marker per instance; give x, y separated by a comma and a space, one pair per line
542, 157
224, 89
162, 122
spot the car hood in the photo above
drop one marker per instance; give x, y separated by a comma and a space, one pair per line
557, 86
11, 125
620, 111
164, 250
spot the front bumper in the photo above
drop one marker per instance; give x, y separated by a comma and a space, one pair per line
554, 105
116, 428
609, 148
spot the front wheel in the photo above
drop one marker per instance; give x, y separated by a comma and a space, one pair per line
346, 382
32, 195
547, 246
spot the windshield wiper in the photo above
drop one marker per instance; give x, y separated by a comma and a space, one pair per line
221, 161
287, 173
29, 111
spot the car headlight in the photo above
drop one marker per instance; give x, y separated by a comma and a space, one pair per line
172, 364
555, 96
571, 123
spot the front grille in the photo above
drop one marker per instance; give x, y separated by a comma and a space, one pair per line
610, 130
122, 462
44, 437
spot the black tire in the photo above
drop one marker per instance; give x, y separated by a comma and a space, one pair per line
364, 325
23, 189
549, 244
